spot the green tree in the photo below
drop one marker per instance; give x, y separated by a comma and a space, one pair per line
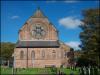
7, 50
90, 35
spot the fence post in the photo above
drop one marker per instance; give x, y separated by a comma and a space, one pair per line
8, 63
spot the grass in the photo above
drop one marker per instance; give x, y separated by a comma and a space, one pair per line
35, 71
68, 71
6, 71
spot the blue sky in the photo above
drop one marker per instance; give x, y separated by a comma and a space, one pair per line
65, 15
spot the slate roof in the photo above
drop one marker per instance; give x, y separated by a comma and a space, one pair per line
37, 44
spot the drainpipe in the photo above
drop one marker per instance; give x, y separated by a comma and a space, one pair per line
27, 57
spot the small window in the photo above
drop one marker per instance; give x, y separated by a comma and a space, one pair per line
65, 54
22, 55
43, 54
33, 55
54, 54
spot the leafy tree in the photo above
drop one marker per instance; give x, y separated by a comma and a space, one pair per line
7, 49
90, 35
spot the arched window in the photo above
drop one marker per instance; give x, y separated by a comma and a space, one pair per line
43, 54
54, 54
22, 55
65, 54
33, 55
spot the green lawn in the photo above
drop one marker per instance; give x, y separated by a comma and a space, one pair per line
6, 71
37, 71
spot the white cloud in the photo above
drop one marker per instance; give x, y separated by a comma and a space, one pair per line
70, 22
15, 17
74, 44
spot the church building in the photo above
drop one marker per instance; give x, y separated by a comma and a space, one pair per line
38, 45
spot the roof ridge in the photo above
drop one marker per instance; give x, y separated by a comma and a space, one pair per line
38, 13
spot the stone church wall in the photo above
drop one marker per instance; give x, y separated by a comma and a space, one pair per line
39, 61
25, 32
